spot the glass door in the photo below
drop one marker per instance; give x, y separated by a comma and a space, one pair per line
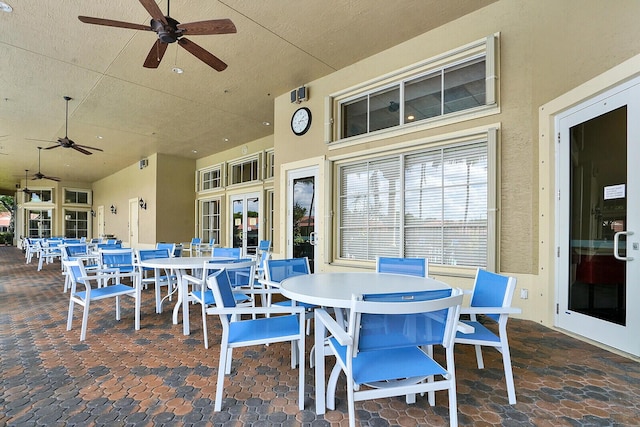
302, 236
598, 149
245, 222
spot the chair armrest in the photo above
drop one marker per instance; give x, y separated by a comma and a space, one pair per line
192, 279
269, 283
490, 310
332, 326
257, 310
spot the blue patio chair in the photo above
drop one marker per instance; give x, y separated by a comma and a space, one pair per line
200, 294
226, 252
409, 266
491, 297
171, 247
73, 252
50, 250
123, 259
276, 270
101, 246
107, 285
192, 247
381, 352
159, 278
284, 324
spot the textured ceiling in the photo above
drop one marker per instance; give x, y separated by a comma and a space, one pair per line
46, 53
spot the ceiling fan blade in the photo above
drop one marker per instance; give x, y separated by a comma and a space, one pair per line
154, 10
52, 147
215, 26
41, 140
86, 146
52, 178
112, 23
203, 55
155, 54
82, 150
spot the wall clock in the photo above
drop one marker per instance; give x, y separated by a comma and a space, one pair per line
301, 121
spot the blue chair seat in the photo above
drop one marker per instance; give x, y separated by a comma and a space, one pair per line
264, 329
106, 292
381, 365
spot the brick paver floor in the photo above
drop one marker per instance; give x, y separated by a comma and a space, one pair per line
156, 376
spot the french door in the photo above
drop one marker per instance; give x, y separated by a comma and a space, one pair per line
245, 222
598, 219
302, 200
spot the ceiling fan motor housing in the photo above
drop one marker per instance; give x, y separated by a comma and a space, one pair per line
167, 33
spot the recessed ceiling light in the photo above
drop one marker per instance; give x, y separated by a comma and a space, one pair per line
266, 123
5, 7
99, 136
177, 70
226, 139
410, 117
194, 151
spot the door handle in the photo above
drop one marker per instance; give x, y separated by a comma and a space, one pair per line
313, 239
616, 245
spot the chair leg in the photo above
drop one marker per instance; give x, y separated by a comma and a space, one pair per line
508, 372
85, 320
332, 385
301, 369
351, 404
228, 364
117, 308
70, 315
479, 357
204, 326
138, 303
222, 367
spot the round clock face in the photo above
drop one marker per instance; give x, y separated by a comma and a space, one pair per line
301, 121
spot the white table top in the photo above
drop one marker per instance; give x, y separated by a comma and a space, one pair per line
335, 289
181, 262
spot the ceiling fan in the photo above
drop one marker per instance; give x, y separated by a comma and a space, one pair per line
170, 31
40, 175
26, 190
66, 142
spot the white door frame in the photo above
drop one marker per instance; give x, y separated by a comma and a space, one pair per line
231, 229
100, 220
133, 223
321, 223
608, 333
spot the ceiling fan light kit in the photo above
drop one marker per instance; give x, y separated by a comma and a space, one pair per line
170, 30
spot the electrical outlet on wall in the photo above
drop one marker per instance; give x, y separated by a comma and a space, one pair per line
524, 294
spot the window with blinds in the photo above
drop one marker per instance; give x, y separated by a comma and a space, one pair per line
210, 220
432, 203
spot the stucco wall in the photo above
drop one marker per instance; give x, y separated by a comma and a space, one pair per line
546, 48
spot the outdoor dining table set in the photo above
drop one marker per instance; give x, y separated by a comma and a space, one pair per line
379, 327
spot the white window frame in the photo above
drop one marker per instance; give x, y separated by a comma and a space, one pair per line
204, 222
67, 211
211, 169
242, 162
488, 135
77, 191
487, 47
269, 164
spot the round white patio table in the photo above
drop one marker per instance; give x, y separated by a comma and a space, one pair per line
335, 289
180, 265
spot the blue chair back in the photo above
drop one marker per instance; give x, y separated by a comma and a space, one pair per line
71, 241
75, 250
408, 266
276, 270
109, 246
145, 254
264, 245
177, 251
398, 330
122, 259
196, 241
226, 252
171, 247
490, 290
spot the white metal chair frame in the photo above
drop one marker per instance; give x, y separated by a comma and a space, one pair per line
90, 294
495, 305
399, 370
282, 324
